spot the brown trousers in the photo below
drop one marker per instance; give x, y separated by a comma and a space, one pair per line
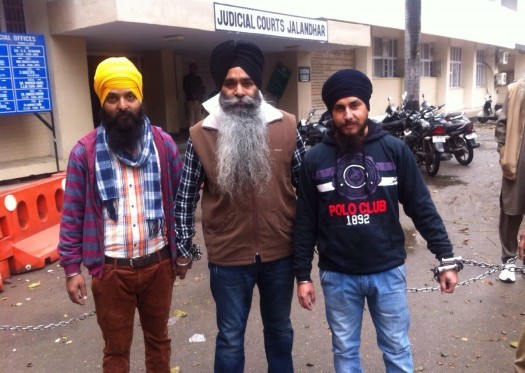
117, 295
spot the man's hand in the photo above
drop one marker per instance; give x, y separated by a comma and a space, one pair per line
76, 289
448, 280
181, 267
306, 295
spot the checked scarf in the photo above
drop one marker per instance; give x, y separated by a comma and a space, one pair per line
146, 158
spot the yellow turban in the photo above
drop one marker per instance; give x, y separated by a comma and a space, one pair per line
117, 73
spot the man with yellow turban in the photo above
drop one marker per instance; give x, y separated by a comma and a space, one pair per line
117, 220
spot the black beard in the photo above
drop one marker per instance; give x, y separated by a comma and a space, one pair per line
351, 144
123, 130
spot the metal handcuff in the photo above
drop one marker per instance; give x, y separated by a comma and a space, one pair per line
195, 254
448, 264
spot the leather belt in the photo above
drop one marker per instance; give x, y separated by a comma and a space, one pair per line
140, 261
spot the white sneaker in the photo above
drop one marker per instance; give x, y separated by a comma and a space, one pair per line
506, 275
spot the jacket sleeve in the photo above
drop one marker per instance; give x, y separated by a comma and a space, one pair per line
306, 221
186, 200
297, 159
418, 205
73, 211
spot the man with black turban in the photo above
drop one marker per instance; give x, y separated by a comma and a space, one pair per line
348, 206
117, 220
247, 156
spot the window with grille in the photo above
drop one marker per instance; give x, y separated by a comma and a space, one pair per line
13, 16
427, 60
385, 57
455, 67
480, 69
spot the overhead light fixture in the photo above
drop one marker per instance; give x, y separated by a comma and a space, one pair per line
173, 37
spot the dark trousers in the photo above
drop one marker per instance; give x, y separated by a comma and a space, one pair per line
509, 227
232, 289
117, 295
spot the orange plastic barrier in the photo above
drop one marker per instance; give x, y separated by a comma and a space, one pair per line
29, 224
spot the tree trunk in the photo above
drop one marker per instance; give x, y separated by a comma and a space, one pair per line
412, 52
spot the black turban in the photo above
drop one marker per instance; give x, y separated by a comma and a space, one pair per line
346, 83
237, 53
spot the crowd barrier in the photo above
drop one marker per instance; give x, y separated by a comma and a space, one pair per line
29, 225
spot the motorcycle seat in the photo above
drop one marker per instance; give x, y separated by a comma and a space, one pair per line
455, 114
453, 124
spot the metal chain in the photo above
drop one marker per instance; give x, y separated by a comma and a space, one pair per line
47, 327
195, 252
491, 269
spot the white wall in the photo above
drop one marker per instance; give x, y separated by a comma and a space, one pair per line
475, 20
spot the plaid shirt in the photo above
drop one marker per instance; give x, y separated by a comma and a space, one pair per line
188, 194
129, 236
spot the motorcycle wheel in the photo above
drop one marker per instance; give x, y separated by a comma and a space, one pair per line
466, 154
483, 119
433, 162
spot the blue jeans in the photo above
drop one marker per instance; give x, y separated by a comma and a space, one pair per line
385, 293
232, 289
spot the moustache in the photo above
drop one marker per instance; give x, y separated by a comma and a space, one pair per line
233, 102
123, 115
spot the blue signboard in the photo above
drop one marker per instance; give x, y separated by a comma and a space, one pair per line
24, 83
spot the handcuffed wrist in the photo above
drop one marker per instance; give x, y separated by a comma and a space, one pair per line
69, 275
304, 282
184, 264
446, 264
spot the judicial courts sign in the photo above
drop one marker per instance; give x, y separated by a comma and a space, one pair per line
237, 19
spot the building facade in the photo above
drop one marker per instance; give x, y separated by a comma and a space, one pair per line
469, 48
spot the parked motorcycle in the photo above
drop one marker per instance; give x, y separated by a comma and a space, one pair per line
487, 113
395, 119
426, 140
311, 133
459, 143
459, 129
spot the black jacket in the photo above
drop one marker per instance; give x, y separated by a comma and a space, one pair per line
353, 216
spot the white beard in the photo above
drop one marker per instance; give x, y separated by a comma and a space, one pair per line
243, 155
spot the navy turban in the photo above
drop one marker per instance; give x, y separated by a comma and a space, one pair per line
346, 83
237, 53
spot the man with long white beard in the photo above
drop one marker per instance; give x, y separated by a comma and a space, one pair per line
247, 155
